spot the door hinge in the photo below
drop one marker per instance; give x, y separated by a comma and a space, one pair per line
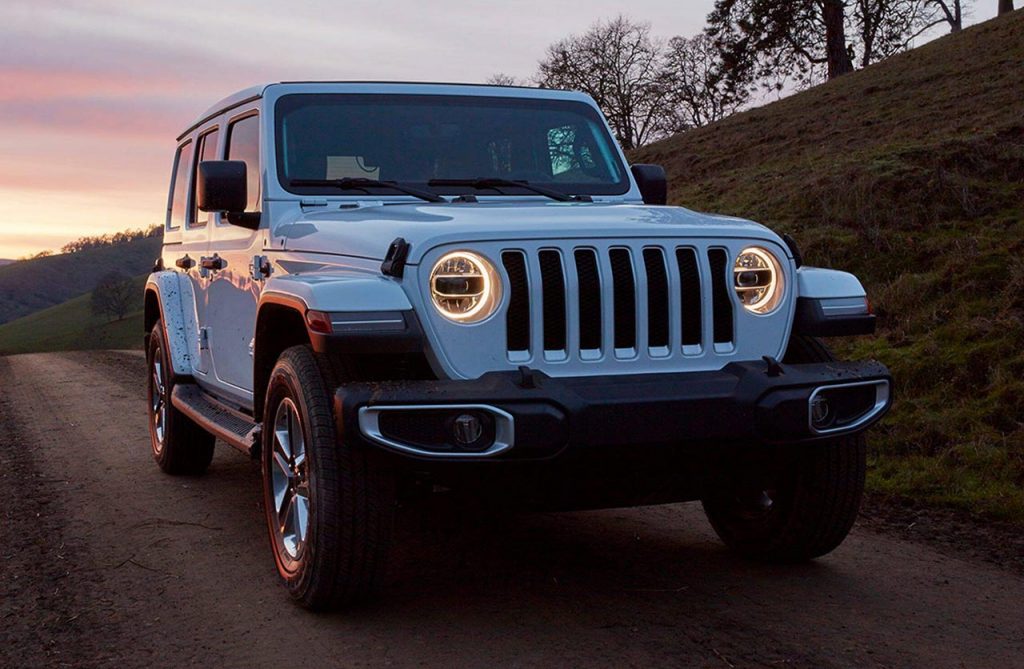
204, 339
260, 268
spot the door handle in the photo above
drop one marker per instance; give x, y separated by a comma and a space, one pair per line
212, 264
185, 263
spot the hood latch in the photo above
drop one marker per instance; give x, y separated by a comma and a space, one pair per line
394, 261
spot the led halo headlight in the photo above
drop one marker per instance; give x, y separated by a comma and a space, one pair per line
465, 287
758, 280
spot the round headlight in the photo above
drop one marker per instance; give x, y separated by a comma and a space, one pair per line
757, 279
465, 287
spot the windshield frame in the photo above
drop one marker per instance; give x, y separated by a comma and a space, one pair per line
624, 187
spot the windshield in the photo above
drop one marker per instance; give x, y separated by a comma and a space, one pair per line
419, 139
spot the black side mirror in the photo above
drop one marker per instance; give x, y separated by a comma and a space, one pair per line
221, 186
652, 182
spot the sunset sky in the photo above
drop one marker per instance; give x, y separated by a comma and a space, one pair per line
93, 92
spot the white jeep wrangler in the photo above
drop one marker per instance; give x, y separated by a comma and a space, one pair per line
378, 289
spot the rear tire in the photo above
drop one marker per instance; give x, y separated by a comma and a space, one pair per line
811, 501
179, 446
329, 506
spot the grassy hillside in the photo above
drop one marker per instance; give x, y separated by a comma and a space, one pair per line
910, 174
31, 285
72, 326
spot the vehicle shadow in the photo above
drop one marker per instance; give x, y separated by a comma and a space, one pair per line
654, 581
648, 586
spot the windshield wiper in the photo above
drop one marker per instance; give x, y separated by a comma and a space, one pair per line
491, 183
364, 185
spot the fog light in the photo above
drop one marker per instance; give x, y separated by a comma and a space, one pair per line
467, 429
821, 412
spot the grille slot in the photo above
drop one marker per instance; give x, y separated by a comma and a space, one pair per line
689, 279
657, 298
517, 325
553, 285
624, 293
720, 302
590, 299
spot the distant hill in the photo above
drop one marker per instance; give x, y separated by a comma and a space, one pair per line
31, 285
5, 261
911, 174
72, 326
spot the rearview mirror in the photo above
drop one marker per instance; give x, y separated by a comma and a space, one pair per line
221, 186
652, 182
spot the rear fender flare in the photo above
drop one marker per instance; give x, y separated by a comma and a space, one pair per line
177, 302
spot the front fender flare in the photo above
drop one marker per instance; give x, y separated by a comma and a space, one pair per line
339, 292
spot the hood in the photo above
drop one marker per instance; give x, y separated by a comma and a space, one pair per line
367, 231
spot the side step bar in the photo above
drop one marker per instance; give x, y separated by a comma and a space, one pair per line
228, 425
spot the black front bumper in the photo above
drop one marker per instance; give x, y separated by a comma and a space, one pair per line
748, 403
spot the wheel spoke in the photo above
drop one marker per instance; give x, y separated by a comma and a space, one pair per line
301, 506
299, 447
279, 478
289, 529
281, 443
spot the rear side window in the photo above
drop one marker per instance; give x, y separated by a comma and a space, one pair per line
179, 187
207, 151
244, 145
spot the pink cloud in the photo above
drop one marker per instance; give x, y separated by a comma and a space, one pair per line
100, 117
37, 84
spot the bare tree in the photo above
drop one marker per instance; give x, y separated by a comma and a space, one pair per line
502, 79
1005, 7
886, 27
765, 40
833, 13
113, 295
618, 64
949, 11
696, 85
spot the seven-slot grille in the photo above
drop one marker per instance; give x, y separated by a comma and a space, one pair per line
589, 302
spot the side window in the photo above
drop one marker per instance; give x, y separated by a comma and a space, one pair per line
179, 187
207, 151
244, 145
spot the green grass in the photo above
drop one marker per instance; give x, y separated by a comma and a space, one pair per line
911, 175
72, 326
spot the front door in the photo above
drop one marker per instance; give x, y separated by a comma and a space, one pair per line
234, 291
196, 244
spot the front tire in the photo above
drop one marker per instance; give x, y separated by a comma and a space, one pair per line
807, 505
179, 446
329, 506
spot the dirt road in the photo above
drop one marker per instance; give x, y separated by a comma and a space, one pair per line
104, 561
